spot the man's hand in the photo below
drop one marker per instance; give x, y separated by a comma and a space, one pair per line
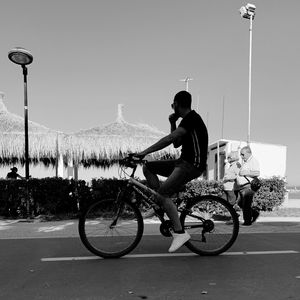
173, 118
139, 155
238, 165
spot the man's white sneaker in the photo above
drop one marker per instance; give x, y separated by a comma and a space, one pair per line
178, 240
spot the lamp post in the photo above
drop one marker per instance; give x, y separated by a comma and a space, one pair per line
23, 57
248, 12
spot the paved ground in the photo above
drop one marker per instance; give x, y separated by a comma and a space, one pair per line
46, 260
258, 266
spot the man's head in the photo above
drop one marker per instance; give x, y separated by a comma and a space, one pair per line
246, 153
14, 169
233, 156
182, 103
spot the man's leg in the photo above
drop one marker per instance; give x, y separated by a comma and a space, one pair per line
153, 168
151, 178
231, 197
247, 197
178, 177
182, 173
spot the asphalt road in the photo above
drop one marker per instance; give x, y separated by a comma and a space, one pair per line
49, 262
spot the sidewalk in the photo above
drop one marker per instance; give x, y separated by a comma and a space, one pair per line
18, 229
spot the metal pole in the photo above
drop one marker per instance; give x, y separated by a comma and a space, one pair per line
26, 141
250, 66
207, 118
223, 107
218, 160
26, 123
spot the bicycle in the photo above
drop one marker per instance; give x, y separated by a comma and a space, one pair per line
111, 228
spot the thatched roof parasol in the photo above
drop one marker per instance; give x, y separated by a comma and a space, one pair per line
43, 142
105, 145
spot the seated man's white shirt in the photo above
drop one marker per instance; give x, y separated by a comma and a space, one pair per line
251, 165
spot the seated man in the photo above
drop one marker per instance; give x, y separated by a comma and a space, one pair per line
14, 174
192, 135
248, 170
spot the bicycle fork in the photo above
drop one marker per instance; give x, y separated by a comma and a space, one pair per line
120, 206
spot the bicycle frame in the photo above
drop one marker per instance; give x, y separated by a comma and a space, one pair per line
135, 184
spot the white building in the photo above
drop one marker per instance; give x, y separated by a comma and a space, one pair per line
272, 158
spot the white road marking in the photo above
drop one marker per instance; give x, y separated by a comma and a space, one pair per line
154, 255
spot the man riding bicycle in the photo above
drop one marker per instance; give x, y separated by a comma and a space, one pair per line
192, 135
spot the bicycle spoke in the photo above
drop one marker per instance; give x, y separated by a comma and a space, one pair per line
212, 224
111, 231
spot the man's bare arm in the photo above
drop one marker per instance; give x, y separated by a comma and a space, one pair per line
165, 141
173, 118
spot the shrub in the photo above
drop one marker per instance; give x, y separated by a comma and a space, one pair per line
109, 188
202, 187
271, 194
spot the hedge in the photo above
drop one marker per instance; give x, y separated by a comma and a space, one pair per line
48, 196
57, 196
270, 196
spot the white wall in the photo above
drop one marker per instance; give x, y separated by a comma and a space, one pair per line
272, 158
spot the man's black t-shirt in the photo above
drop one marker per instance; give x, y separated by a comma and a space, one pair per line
195, 142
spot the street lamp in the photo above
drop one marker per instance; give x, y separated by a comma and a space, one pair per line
248, 12
23, 57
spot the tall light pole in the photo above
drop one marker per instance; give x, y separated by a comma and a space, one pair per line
248, 12
23, 57
186, 80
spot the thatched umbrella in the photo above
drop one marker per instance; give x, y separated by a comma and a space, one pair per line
43, 142
104, 145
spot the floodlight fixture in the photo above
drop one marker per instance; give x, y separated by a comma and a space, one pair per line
248, 11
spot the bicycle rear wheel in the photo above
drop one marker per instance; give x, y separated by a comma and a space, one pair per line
212, 223
111, 228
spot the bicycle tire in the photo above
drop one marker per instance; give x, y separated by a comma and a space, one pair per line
212, 223
105, 239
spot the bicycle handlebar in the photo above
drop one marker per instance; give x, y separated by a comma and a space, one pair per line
132, 161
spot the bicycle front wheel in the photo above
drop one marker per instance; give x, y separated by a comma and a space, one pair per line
111, 228
212, 223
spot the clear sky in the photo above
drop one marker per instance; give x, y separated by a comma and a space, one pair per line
91, 55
